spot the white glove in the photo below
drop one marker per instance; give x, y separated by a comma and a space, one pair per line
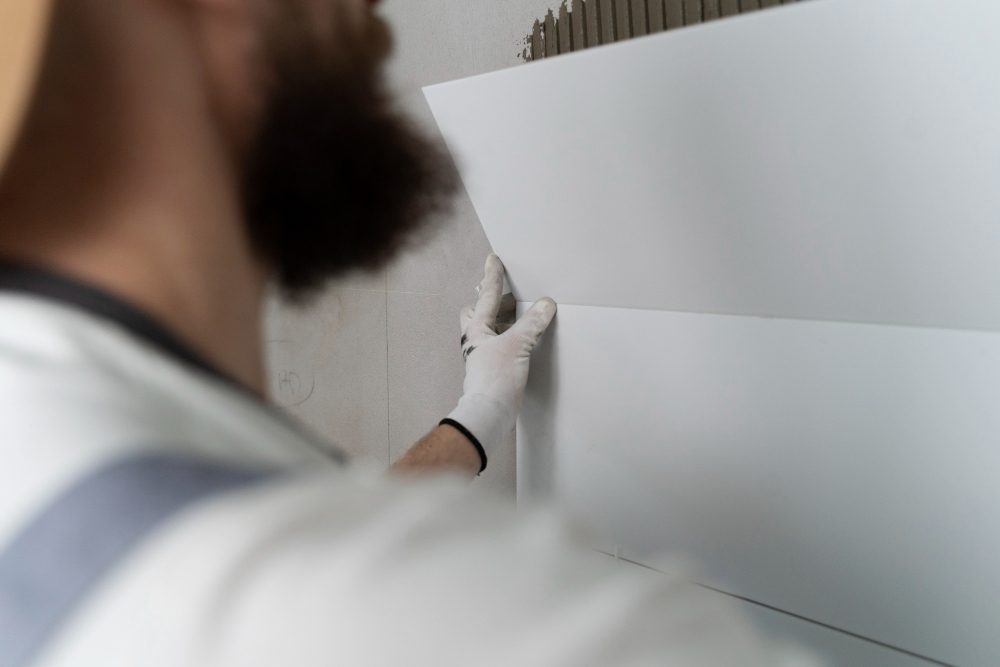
496, 366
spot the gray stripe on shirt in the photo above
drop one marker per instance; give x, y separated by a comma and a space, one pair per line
48, 569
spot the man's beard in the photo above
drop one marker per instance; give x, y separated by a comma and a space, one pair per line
336, 179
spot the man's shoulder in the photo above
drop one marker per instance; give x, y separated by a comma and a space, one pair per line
77, 391
361, 570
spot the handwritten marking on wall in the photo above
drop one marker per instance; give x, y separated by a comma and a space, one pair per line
292, 381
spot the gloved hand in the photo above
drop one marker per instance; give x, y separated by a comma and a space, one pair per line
496, 366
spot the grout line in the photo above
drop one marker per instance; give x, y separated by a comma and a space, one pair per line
618, 556
388, 430
830, 627
591, 22
931, 327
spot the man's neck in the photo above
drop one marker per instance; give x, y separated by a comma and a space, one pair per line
202, 289
143, 203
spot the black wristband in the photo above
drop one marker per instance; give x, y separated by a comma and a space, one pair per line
464, 431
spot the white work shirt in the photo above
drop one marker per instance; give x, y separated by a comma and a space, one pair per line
323, 565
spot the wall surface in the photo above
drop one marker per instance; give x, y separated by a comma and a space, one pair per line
776, 349
374, 363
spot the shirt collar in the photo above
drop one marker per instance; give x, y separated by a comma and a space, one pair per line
38, 282
34, 281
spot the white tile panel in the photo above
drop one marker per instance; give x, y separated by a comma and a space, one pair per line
832, 166
844, 472
831, 647
833, 159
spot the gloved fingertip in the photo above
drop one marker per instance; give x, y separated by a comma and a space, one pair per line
490, 291
494, 267
536, 320
546, 308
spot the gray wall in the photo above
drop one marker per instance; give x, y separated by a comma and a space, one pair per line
374, 363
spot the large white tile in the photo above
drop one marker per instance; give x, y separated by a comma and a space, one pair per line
843, 472
826, 160
828, 645
327, 365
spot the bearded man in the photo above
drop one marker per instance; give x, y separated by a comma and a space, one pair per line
163, 161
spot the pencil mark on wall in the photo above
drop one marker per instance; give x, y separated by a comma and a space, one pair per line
581, 24
292, 380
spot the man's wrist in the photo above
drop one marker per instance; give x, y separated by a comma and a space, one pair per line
484, 418
473, 440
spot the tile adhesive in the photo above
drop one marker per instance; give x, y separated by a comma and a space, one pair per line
581, 24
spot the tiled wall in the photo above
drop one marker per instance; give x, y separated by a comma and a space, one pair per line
582, 24
375, 362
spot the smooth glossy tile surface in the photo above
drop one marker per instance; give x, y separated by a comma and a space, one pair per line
843, 472
798, 636
829, 160
836, 649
